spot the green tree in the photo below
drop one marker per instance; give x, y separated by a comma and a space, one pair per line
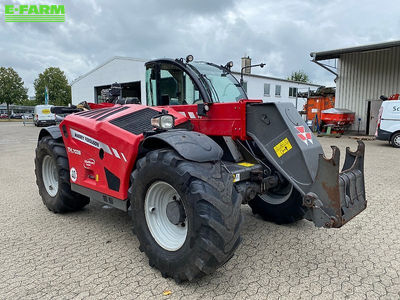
56, 82
11, 87
300, 76
27, 102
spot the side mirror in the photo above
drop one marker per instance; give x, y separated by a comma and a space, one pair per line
202, 109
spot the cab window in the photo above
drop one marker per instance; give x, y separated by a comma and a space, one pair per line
166, 84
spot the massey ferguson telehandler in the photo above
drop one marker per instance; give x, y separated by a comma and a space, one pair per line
184, 163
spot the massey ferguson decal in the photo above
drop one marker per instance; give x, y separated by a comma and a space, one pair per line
88, 163
305, 136
90, 141
97, 144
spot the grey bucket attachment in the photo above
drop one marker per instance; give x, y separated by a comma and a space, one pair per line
336, 198
333, 197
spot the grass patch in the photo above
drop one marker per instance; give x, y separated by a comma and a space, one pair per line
11, 120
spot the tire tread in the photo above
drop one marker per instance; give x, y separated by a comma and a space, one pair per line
217, 205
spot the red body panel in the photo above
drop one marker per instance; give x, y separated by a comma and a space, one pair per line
338, 119
223, 119
100, 105
86, 136
119, 158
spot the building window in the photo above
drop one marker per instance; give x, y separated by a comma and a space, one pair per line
244, 85
292, 92
278, 90
266, 89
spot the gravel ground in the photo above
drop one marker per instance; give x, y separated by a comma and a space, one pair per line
93, 253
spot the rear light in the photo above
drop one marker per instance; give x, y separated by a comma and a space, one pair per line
380, 116
379, 120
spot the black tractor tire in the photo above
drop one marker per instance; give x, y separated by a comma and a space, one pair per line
287, 212
212, 208
65, 200
395, 140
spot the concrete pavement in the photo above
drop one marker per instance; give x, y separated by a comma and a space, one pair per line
93, 254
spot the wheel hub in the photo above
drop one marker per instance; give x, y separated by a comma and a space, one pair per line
50, 176
278, 195
176, 213
397, 140
165, 216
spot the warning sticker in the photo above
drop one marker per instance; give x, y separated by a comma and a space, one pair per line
236, 177
245, 164
283, 147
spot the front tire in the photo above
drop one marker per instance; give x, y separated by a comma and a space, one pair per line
280, 209
52, 177
207, 214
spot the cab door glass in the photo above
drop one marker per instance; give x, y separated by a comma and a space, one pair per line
176, 87
170, 89
167, 84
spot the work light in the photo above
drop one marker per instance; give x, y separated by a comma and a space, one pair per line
189, 58
163, 122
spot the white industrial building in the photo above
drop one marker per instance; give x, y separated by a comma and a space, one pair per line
130, 73
363, 74
271, 89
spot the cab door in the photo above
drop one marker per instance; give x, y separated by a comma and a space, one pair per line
167, 85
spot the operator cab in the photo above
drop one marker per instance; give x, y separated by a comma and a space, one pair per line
174, 82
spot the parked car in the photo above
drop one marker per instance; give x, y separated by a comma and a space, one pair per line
44, 116
16, 116
388, 128
3, 116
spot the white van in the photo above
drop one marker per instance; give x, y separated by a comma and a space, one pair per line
43, 116
388, 128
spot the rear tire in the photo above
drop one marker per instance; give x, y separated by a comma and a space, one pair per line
395, 140
52, 177
289, 211
211, 214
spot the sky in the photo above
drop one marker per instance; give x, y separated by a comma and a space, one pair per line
280, 34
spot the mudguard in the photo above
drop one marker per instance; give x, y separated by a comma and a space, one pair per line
190, 145
53, 131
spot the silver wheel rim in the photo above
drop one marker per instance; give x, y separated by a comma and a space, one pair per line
276, 199
396, 140
50, 176
169, 236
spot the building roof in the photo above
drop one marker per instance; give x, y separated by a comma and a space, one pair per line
276, 78
105, 63
331, 54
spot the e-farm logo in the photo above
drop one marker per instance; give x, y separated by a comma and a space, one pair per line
34, 13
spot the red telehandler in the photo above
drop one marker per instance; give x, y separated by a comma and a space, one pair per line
184, 163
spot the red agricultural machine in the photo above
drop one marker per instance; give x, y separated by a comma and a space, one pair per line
185, 163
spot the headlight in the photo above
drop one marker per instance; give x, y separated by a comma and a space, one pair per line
163, 122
